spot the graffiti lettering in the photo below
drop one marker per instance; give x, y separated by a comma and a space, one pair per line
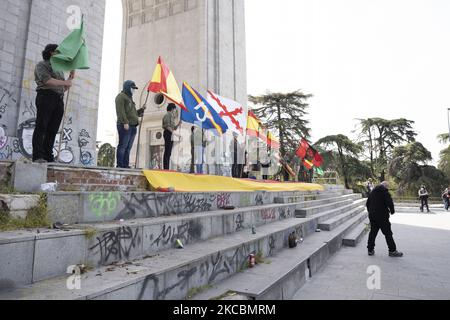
104, 204
223, 199
116, 244
268, 214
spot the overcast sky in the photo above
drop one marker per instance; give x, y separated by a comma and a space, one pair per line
359, 58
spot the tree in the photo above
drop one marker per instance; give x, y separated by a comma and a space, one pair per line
409, 170
380, 136
284, 113
344, 149
444, 161
106, 156
444, 138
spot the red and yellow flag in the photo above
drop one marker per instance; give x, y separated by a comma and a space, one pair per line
273, 141
253, 125
163, 81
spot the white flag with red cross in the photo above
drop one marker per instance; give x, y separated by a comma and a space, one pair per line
232, 112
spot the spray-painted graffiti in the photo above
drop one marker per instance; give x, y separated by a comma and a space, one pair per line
86, 157
259, 200
26, 130
194, 203
272, 245
223, 200
186, 232
5, 97
158, 293
29, 110
268, 214
116, 245
104, 204
3, 137
239, 222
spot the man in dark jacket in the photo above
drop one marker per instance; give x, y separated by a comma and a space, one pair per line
380, 206
127, 123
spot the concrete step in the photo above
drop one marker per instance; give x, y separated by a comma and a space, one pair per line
30, 256
328, 210
282, 275
336, 221
88, 207
316, 199
356, 234
172, 274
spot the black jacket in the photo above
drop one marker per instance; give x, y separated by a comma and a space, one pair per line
380, 203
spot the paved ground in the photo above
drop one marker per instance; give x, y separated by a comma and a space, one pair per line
423, 273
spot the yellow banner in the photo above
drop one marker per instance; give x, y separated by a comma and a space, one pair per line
182, 182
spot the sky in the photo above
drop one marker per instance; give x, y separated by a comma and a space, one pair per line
359, 58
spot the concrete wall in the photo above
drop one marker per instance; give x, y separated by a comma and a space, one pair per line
25, 29
202, 41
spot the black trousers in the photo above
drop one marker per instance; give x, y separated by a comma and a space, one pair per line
50, 111
424, 203
168, 145
384, 225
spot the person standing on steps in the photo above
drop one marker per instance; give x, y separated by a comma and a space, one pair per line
50, 89
446, 198
423, 196
127, 122
380, 206
169, 125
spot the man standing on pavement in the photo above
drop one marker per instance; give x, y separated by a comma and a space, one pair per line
380, 206
423, 196
127, 122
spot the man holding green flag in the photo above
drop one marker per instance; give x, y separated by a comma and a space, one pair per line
71, 54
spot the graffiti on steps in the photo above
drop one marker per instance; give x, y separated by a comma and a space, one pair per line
223, 200
104, 204
239, 222
268, 214
116, 245
186, 232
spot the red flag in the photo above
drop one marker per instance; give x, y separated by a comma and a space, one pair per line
318, 160
303, 149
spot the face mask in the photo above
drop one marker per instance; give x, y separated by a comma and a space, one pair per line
133, 91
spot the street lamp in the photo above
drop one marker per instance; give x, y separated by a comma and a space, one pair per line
448, 116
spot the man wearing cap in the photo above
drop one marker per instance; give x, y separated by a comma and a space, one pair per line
127, 122
51, 86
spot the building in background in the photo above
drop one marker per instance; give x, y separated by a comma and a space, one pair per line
202, 42
25, 28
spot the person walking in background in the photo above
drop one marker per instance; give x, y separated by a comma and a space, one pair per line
446, 198
423, 196
380, 206
50, 89
169, 125
127, 122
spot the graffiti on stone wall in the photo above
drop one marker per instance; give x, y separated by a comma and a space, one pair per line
116, 245
3, 137
213, 269
169, 234
223, 200
268, 214
86, 157
239, 221
6, 97
104, 204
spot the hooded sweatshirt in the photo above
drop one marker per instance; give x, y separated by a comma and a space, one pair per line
126, 108
380, 203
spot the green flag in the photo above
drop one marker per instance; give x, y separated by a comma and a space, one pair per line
72, 52
319, 171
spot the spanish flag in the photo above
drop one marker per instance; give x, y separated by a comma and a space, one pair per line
164, 82
273, 141
253, 125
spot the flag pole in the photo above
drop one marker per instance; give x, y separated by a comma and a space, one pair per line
61, 134
140, 128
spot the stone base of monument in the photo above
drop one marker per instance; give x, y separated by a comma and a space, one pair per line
128, 242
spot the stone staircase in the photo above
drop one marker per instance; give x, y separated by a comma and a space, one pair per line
124, 243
